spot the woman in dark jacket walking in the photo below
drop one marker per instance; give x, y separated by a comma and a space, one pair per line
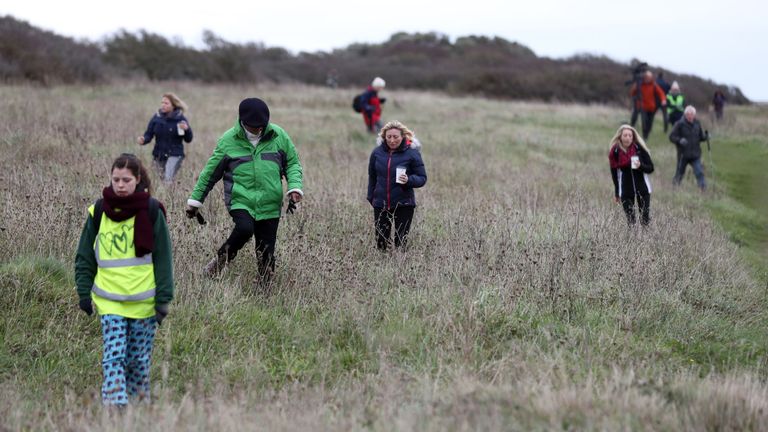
631, 163
394, 171
169, 127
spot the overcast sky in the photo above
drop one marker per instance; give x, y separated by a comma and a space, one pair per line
726, 41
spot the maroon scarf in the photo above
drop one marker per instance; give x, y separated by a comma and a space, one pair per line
619, 158
123, 208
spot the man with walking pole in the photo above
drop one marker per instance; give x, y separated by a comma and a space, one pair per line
687, 135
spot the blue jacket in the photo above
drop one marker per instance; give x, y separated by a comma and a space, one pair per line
383, 191
167, 140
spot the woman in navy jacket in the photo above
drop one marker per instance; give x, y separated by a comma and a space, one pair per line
394, 171
630, 163
169, 127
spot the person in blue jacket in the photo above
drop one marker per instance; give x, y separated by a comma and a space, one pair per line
171, 130
395, 169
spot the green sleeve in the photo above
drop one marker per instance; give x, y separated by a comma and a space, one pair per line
211, 173
293, 171
162, 259
85, 260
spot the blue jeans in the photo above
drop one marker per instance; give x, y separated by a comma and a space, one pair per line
698, 170
126, 358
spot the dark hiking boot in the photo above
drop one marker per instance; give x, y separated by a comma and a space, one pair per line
215, 266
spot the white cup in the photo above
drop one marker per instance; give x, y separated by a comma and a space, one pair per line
179, 130
635, 162
398, 172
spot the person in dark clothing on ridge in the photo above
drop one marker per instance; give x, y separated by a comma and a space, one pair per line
395, 169
665, 87
687, 135
372, 105
171, 130
718, 102
647, 95
630, 163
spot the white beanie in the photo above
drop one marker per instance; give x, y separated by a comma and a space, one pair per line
675, 86
378, 82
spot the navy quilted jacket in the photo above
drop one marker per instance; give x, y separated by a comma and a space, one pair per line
383, 191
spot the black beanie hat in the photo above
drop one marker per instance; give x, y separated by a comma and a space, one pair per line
254, 112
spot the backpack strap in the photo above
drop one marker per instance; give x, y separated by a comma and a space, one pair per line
97, 212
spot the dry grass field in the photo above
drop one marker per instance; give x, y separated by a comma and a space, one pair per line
523, 303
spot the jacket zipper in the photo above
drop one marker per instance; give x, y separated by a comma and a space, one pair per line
389, 164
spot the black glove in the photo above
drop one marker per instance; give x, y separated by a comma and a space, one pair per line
191, 211
706, 135
291, 206
382, 100
161, 311
86, 306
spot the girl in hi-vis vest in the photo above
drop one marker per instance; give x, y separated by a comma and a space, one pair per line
124, 268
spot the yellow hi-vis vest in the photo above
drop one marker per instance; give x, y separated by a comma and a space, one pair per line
124, 284
675, 103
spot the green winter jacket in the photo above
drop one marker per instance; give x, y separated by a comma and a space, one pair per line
252, 175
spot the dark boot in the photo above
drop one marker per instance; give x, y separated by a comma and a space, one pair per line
215, 266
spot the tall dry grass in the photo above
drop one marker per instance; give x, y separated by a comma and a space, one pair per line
524, 301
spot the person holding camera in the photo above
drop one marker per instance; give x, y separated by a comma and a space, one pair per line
647, 95
687, 135
252, 158
630, 163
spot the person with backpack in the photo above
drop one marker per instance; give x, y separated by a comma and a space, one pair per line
395, 169
630, 163
370, 105
675, 103
124, 272
646, 97
665, 87
687, 136
252, 158
171, 130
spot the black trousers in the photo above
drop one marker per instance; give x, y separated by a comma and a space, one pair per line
264, 233
646, 118
643, 204
383, 220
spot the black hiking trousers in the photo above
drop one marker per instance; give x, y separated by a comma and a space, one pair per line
646, 118
264, 233
383, 220
643, 204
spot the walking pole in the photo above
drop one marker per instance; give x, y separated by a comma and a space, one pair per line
709, 154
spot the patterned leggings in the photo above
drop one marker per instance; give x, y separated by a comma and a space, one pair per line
127, 352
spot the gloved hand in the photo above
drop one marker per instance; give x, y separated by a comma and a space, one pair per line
86, 306
291, 206
706, 135
382, 100
161, 311
191, 211
683, 141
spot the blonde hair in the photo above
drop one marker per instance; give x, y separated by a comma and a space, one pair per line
176, 102
636, 138
394, 124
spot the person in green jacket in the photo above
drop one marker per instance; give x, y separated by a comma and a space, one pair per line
675, 104
252, 158
124, 267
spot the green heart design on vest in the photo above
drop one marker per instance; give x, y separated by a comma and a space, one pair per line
105, 242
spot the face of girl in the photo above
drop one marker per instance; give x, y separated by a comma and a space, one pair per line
123, 181
627, 137
165, 105
393, 137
